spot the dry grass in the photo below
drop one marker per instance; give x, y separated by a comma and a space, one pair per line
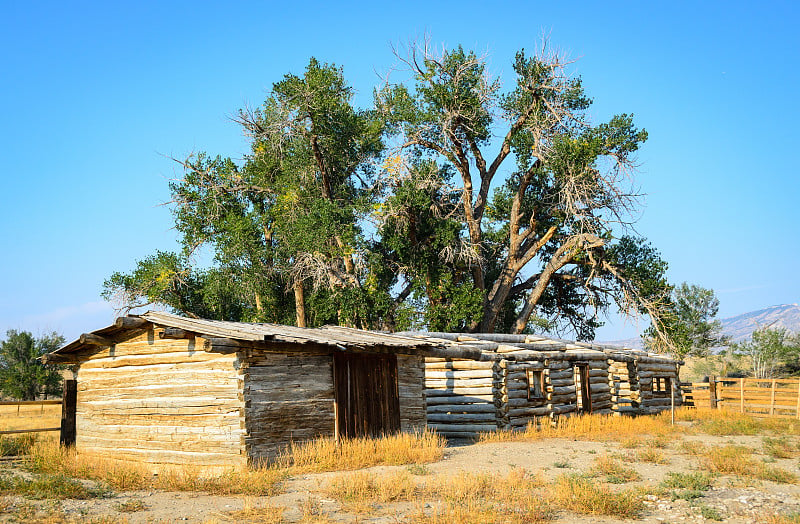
581, 495
738, 460
613, 470
487, 498
372, 487
588, 427
314, 456
46, 458
651, 455
779, 447
328, 455
267, 514
30, 417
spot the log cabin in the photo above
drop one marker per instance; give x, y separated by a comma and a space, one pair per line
518, 379
168, 390
163, 389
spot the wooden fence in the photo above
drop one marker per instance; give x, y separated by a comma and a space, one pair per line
778, 397
19, 404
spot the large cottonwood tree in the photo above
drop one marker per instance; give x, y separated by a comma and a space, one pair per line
452, 204
541, 191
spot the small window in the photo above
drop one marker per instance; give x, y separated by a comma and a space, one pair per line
661, 386
535, 379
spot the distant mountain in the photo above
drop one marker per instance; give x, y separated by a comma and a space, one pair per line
740, 327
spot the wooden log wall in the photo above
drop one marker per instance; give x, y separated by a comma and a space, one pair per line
160, 401
411, 392
599, 386
624, 384
559, 392
460, 397
649, 369
288, 397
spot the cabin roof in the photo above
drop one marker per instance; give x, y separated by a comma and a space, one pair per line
475, 346
525, 347
339, 337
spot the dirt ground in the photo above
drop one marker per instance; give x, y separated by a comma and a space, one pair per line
732, 499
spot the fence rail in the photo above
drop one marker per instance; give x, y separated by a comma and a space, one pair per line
19, 404
778, 397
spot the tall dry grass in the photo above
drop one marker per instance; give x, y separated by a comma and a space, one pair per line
588, 427
328, 455
582, 495
314, 456
738, 460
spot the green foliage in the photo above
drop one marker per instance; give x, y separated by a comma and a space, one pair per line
689, 322
319, 224
768, 350
22, 375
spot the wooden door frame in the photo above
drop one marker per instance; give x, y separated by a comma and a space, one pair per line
585, 391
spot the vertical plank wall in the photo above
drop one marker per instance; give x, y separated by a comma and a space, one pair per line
161, 402
411, 390
288, 397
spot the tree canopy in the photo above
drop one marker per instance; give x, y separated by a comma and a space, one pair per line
451, 204
689, 321
22, 375
769, 350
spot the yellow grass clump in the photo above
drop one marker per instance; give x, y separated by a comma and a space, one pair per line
328, 455
738, 460
582, 495
587, 427
613, 470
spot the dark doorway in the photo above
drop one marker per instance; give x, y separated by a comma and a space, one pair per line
367, 404
582, 388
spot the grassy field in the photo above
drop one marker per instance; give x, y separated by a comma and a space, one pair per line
709, 466
29, 416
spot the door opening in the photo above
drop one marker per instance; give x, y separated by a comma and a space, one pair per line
366, 396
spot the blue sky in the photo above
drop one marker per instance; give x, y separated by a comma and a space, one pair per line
96, 97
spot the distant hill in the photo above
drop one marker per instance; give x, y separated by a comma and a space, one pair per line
740, 327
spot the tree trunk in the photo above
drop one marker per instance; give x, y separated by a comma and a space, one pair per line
300, 303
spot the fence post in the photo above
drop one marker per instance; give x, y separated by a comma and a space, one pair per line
798, 399
741, 395
772, 399
68, 405
712, 392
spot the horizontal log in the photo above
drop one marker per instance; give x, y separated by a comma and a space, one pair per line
175, 334
95, 340
461, 408
524, 402
164, 457
529, 412
467, 435
460, 374
560, 390
522, 366
462, 427
130, 322
561, 382
461, 418
459, 399
458, 382
472, 391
